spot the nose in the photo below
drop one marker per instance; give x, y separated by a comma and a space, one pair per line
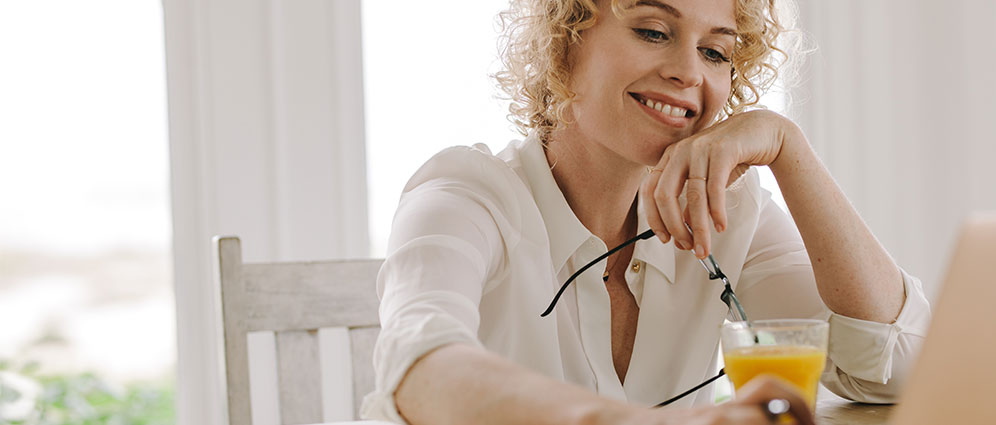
682, 66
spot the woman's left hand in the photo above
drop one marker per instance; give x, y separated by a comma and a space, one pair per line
708, 162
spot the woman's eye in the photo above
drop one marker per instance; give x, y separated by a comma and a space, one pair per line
713, 55
651, 35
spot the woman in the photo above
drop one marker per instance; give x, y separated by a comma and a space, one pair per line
624, 105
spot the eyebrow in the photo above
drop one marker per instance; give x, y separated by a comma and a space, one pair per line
670, 10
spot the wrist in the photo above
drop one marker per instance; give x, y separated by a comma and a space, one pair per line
793, 145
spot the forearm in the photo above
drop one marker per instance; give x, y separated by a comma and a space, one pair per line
459, 384
855, 275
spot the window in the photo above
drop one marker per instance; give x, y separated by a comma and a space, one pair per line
85, 268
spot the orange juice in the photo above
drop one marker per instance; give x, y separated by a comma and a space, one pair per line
800, 365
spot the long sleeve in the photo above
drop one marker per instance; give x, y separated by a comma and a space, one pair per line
444, 244
868, 361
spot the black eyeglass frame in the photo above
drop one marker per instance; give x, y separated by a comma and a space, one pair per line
728, 297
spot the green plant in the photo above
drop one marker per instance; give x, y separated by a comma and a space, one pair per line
82, 399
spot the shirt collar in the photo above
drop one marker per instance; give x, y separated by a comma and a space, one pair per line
565, 232
651, 251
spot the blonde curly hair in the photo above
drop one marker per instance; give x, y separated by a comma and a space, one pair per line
537, 34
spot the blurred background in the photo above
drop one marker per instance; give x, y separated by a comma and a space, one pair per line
131, 131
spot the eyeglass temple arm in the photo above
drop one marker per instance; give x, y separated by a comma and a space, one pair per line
692, 390
714, 272
728, 296
733, 301
645, 235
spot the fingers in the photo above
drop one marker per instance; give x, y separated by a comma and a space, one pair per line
650, 207
702, 170
762, 389
698, 200
727, 414
737, 172
682, 168
747, 415
665, 196
720, 173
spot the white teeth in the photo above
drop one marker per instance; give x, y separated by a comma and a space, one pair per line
674, 111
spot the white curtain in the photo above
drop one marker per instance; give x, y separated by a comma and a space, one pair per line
898, 99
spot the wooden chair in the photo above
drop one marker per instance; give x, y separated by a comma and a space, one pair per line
302, 329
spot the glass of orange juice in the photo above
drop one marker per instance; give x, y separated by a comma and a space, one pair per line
792, 349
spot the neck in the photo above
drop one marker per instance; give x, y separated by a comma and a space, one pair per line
599, 186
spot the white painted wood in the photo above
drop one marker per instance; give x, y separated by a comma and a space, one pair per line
263, 396
266, 141
337, 374
304, 299
297, 300
235, 352
300, 380
318, 135
199, 387
350, 131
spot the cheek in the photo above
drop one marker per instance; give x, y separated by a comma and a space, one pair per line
718, 95
723, 94
597, 103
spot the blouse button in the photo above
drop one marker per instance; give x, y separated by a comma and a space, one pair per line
636, 267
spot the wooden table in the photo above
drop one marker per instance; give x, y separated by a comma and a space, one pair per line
830, 410
834, 410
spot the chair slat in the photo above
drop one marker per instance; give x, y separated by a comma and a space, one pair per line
231, 300
295, 300
298, 373
311, 295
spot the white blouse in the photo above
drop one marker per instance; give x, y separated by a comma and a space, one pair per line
481, 243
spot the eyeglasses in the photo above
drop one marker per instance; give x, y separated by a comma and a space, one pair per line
735, 311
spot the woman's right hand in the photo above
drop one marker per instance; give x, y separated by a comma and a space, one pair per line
747, 409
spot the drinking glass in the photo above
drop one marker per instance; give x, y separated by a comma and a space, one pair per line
794, 350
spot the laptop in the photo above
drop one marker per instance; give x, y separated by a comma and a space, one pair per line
954, 379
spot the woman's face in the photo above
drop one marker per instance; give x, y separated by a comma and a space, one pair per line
657, 74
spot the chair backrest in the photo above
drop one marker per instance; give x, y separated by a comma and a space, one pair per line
315, 323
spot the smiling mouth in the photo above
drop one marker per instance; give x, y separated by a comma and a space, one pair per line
664, 108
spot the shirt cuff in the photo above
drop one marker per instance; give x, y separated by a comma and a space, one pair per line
864, 349
398, 347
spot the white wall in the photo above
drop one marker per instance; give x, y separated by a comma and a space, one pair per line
267, 143
427, 88
899, 101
